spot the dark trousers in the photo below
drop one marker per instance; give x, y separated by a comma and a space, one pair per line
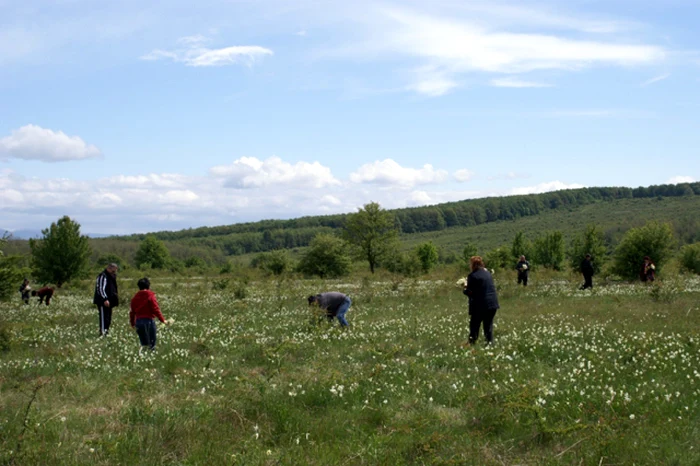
25, 297
146, 330
475, 321
588, 282
105, 319
522, 278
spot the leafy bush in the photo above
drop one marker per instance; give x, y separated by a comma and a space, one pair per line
408, 265
690, 258
326, 257
62, 254
274, 262
653, 239
521, 247
549, 250
499, 258
194, 261
111, 258
152, 253
591, 241
427, 254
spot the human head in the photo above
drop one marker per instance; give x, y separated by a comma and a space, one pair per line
144, 284
313, 299
647, 259
26, 280
112, 268
476, 262
522, 258
588, 256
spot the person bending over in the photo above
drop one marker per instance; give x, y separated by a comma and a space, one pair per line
44, 293
334, 303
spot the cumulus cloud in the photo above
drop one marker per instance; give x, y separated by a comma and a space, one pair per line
33, 142
463, 175
681, 179
193, 52
545, 187
250, 172
389, 173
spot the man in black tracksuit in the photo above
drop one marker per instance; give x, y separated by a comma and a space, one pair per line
106, 296
523, 269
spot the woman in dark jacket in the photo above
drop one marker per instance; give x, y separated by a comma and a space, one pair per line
483, 302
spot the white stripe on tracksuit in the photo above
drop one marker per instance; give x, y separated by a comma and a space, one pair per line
102, 320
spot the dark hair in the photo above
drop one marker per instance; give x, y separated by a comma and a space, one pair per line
647, 258
588, 256
144, 284
33, 292
312, 299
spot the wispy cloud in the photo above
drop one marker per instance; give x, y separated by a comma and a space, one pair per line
656, 79
452, 47
192, 52
517, 83
545, 187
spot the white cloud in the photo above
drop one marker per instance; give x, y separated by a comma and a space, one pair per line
655, 79
517, 83
545, 187
194, 53
33, 142
250, 172
681, 179
389, 173
463, 175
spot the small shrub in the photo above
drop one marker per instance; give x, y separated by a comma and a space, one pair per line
240, 291
690, 258
220, 284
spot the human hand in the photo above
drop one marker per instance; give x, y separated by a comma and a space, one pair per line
106, 304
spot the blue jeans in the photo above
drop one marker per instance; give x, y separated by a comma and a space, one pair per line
340, 313
146, 330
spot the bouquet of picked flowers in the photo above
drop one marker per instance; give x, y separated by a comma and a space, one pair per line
524, 267
462, 282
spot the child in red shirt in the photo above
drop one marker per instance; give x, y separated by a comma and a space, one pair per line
144, 307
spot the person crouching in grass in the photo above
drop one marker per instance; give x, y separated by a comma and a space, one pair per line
144, 307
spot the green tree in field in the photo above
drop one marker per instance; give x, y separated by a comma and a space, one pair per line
10, 273
654, 239
549, 250
428, 255
326, 257
152, 254
372, 232
468, 252
273, 262
111, 258
591, 241
690, 258
499, 258
62, 254
521, 247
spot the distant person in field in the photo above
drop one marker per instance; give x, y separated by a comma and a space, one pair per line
106, 296
45, 294
24, 290
648, 271
144, 307
483, 301
523, 268
334, 303
587, 271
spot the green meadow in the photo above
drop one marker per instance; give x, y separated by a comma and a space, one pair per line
249, 375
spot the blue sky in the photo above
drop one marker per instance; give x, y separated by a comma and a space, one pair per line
135, 116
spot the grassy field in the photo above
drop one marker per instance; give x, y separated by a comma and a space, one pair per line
602, 378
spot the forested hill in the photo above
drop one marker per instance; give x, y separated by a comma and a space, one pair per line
298, 232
